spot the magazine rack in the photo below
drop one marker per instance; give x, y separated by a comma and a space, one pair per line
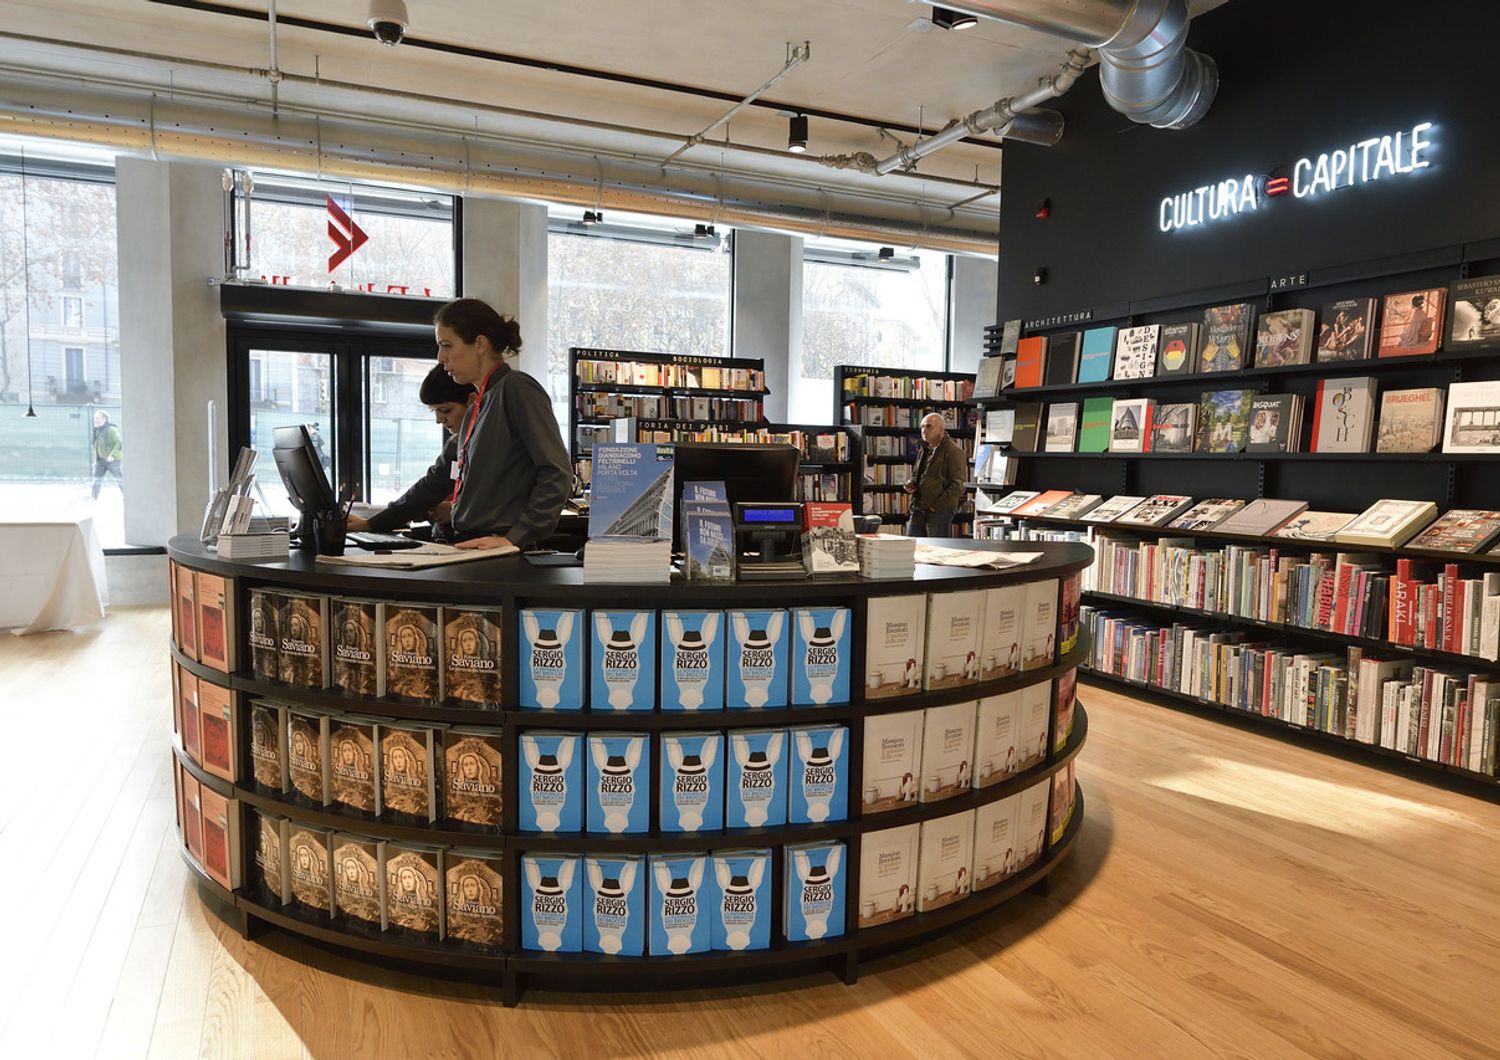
509, 585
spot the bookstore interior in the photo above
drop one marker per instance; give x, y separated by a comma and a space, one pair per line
736, 643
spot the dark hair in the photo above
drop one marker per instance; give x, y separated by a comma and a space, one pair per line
440, 387
471, 318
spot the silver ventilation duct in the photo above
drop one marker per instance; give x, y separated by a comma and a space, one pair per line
1145, 67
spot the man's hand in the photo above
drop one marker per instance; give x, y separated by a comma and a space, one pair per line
909, 486
357, 522
492, 541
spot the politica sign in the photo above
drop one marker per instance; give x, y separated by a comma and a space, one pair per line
1376, 158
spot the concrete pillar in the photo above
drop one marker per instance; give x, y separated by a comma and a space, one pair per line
768, 315
170, 223
505, 263
975, 285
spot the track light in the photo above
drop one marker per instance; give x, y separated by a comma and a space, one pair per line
947, 18
593, 217
886, 253
796, 137
704, 232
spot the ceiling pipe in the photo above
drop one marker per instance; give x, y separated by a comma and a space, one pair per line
1036, 126
1145, 67
796, 56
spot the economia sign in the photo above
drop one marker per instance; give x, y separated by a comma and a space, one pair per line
1377, 158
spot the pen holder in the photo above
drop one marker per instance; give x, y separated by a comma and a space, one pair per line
330, 528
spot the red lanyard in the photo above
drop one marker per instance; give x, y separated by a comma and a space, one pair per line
463, 448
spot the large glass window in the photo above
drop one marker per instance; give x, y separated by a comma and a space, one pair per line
59, 337
296, 388
312, 233
634, 283
859, 307
404, 439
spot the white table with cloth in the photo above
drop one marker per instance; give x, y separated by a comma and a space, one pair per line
51, 574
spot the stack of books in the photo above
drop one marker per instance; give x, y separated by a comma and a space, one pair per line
623, 560
273, 544
887, 556
630, 514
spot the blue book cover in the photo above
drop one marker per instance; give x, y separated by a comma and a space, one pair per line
692, 782
756, 792
820, 656
682, 904
614, 905
692, 660
757, 660
708, 539
551, 901
631, 492
814, 891
710, 494
551, 659
624, 666
1098, 355
551, 782
743, 882
619, 783
819, 774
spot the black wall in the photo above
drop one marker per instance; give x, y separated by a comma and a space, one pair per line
1298, 77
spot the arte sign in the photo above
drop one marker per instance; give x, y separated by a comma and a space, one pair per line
1364, 162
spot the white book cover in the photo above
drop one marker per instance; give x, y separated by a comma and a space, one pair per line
1036, 717
997, 744
947, 751
997, 850
888, 874
945, 864
1344, 418
1387, 522
1130, 425
1000, 640
1473, 420
999, 425
1135, 352
953, 624
895, 628
1039, 624
1112, 509
1062, 427
893, 754
1032, 822
1011, 501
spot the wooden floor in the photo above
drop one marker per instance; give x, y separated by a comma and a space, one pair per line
1231, 895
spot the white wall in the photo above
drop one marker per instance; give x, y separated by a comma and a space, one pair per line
505, 263
768, 312
976, 284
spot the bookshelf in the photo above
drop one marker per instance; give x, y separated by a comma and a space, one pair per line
887, 405
696, 391
1345, 482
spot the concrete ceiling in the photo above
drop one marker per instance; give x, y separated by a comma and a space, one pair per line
876, 60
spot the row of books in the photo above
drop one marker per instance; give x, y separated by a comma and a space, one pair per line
668, 375
827, 487
824, 447
1447, 717
907, 388
1230, 338
895, 447
1387, 523
608, 406
887, 474
954, 419
203, 617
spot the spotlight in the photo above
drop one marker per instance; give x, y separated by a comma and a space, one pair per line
796, 136
704, 232
947, 18
886, 253
591, 217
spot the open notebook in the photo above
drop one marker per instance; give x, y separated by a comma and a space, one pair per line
428, 554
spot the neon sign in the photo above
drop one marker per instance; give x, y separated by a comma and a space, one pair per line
1364, 162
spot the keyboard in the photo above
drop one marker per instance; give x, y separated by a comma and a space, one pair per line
367, 540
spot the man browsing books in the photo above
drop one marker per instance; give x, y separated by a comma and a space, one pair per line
937, 482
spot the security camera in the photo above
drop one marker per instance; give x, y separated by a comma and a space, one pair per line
388, 21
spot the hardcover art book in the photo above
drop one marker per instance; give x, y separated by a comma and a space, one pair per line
944, 861
356, 877
1205, 515
1261, 516
1411, 421
1095, 424
1074, 507
1473, 421
1476, 314
1387, 523
1156, 511
265, 634
1130, 425
1062, 359
356, 647
1275, 423
1062, 427
1411, 322
302, 647
473, 776
1043, 502
888, 875
1028, 426
1284, 337
411, 652
1314, 526
1463, 530
476, 895
1097, 355
1224, 421
987, 379
1011, 501
895, 636
1112, 509
892, 758
471, 656
407, 776
1344, 416
414, 889
631, 493
1135, 352
1179, 349
1173, 428
1347, 330
1031, 356
353, 772
1227, 331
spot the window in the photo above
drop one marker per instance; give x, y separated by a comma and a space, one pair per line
635, 283
404, 438
858, 308
59, 352
398, 241
298, 392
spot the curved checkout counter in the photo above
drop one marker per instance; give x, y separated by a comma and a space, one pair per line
497, 772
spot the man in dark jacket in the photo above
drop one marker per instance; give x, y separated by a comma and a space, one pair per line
937, 481
429, 496
106, 451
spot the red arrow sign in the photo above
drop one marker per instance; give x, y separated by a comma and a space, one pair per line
346, 235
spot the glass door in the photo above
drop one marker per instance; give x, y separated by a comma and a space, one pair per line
403, 437
290, 386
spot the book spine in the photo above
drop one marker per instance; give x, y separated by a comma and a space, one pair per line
1445, 605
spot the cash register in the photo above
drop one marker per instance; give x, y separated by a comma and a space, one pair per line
760, 481
768, 540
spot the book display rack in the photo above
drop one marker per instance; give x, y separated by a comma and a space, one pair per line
506, 774
1377, 386
888, 404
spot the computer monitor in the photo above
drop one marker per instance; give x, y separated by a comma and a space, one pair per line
750, 472
301, 470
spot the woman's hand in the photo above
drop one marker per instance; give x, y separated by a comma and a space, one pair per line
358, 523
491, 541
